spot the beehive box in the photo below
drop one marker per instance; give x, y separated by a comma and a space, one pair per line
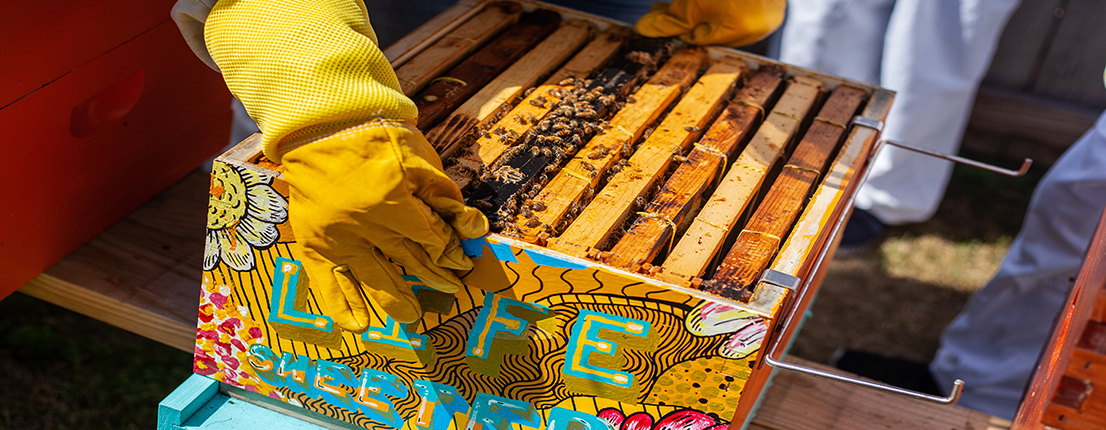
632, 225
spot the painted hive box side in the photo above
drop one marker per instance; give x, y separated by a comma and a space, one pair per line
534, 333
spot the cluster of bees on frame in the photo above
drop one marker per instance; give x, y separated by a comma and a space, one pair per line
577, 113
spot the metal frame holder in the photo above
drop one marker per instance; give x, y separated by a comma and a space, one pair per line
773, 277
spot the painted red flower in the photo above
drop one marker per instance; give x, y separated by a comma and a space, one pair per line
687, 419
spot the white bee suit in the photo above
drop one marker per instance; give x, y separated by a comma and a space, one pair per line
933, 53
994, 343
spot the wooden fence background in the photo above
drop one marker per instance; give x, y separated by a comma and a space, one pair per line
1044, 88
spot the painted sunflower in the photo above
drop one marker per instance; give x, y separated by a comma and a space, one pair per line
243, 212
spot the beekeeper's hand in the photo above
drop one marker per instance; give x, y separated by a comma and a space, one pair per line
365, 185
713, 22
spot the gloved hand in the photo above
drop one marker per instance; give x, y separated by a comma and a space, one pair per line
365, 185
713, 22
368, 193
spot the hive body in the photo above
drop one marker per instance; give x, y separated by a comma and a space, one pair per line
585, 303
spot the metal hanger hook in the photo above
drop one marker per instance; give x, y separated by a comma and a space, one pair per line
990, 168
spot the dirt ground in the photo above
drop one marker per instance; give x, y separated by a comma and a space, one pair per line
62, 370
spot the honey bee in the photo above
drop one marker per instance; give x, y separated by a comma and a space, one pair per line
499, 130
678, 158
533, 222
567, 81
587, 166
692, 129
631, 99
483, 205
640, 201
528, 92
521, 119
525, 212
548, 153
538, 206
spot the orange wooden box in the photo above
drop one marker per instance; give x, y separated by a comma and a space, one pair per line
89, 92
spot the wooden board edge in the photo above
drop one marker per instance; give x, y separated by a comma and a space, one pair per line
141, 321
429, 32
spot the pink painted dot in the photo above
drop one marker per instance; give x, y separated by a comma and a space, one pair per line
219, 300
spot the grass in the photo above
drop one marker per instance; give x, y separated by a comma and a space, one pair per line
62, 370
939, 261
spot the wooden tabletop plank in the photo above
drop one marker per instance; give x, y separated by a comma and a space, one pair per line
798, 401
540, 61
143, 273
606, 213
702, 168
703, 239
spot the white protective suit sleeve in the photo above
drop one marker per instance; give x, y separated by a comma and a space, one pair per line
190, 16
932, 53
993, 344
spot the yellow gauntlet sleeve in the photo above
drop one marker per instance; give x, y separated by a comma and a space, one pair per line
303, 66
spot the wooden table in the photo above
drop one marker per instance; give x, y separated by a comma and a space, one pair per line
143, 275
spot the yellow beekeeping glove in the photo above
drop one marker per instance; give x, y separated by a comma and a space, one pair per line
365, 186
368, 193
713, 22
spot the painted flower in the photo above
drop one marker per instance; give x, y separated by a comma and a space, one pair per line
243, 211
711, 318
686, 419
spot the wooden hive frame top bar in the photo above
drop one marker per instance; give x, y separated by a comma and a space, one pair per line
673, 136
758, 242
703, 239
702, 169
569, 186
485, 22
